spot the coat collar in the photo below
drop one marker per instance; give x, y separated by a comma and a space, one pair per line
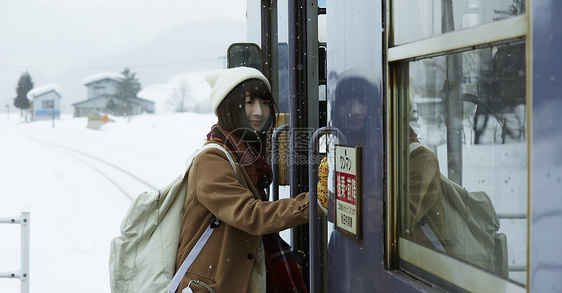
255, 164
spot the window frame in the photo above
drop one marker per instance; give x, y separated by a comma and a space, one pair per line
399, 250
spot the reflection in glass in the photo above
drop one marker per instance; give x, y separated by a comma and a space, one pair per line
421, 19
467, 137
353, 105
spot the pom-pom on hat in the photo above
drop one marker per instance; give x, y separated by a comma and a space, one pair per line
224, 80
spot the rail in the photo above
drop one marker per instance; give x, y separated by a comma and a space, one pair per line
115, 174
512, 216
23, 274
276, 157
314, 235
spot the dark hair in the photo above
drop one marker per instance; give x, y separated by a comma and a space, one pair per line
353, 88
347, 90
231, 112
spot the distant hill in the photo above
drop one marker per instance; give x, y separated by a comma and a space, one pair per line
190, 47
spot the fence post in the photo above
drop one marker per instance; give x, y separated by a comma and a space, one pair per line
23, 274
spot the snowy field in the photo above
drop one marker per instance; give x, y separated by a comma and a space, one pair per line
57, 174
61, 175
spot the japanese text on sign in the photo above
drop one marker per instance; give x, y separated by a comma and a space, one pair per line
347, 189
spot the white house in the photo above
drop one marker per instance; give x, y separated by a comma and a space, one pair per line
45, 102
102, 84
102, 90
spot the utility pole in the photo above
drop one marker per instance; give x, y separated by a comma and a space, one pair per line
53, 111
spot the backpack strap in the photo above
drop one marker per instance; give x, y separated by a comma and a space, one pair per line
207, 234
193, 254
431, 236
218, 146
207, 146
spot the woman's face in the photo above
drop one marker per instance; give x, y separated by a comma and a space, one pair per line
257, 111
354, 113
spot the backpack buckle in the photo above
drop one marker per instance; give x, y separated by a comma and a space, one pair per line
215, 222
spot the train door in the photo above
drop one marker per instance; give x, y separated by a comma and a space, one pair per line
434, 95
447, 79
458, 102
355, 107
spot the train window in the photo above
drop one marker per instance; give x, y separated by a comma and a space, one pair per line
244, 54
465, 191
417, 20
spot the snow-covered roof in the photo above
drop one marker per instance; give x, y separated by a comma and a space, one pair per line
43, 89
102, 76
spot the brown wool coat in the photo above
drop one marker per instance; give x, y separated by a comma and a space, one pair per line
226, 261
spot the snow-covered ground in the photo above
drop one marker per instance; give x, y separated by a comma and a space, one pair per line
60, 175
55, 173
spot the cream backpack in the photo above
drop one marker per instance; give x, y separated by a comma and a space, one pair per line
143, 258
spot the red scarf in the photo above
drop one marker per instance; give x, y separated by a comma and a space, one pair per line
283, 273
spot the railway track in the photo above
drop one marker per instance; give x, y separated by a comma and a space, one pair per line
128, 183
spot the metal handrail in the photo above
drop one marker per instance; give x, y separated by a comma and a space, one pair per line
275, 160
313, 236
23, 274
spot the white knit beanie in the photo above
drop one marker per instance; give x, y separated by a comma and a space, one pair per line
224, 80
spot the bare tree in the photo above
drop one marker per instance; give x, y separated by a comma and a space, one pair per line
179, 96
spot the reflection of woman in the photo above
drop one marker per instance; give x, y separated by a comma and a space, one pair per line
425, 200
355, 98
353, 104
443, 215
241, 255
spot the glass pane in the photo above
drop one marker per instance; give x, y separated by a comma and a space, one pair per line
467, 140
421, 19
244, 54
354, 89
283, 54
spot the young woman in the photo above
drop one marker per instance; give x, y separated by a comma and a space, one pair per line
242, 254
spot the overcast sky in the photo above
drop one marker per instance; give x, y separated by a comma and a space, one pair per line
57, 35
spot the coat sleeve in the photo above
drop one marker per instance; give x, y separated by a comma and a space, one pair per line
229, 197
425, 184
425, 199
